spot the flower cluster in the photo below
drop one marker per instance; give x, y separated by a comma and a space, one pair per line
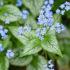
46, 14
49, 66
22, 30
59, 27
3, 32
63, 7
45, 18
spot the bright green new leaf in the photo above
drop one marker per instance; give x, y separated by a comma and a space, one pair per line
38, 63
33, 5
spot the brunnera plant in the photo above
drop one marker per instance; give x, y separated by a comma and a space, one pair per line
27, 32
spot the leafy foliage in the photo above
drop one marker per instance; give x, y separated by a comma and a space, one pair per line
20, 44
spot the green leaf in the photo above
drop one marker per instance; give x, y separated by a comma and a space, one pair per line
4, 63
31, 22
23, 61
14, 30
10, 13
31, 48
38, 63
57, 18
6, 42
33, 5
31, 44
50, 43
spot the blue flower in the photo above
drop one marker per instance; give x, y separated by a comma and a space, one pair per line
59, 27
25, 14
67, 3
51, 1
10, 54
19, 3
67, 8
62, 6
58, 11
7, 21
3, 32
1, 27
20, 30
46, 2
1, 48
62, 12
45, 19
49, 65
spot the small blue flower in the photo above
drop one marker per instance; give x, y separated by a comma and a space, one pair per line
49, 7
25, 14
43, 31
19, 3
1, 48
62, 6
46, 2
10, 54
62, 12
49, 65
7, 21
1, 27
3, 32
51, 1
59, 27
58, 11
20, 30
67, 8
27, 28
67, 3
